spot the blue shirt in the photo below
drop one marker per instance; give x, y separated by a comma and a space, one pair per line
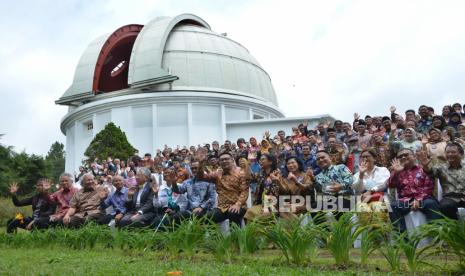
335, 173
116, 200
199, 194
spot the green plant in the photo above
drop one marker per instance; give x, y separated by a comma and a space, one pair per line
341, 236
413, 253
295, 241
111, 141
450, 232
221, 245
392, 253
188, 236
248, 239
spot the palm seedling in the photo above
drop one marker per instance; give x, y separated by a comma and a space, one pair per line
296, 242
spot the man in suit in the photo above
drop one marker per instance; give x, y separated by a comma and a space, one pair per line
137, 197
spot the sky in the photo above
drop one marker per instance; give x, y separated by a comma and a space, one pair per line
336, 57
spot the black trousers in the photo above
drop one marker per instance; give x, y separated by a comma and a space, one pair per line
12, 224
449, 207
218, 216
166, 221
141, 221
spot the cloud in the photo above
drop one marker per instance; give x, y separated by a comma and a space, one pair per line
333, 57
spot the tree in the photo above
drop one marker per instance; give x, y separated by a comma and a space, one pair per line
111, 141
56, 159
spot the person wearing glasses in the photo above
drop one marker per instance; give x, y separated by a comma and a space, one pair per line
414, 189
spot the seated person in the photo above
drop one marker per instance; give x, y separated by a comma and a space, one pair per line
266, 190
167, 206
62, 198
42, 206
137, 197
232, 190
370, 182
296, 182
333, 180
414, 189
84, 205
451, 176
201, 195
116, 200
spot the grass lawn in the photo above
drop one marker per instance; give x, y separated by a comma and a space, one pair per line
63, 261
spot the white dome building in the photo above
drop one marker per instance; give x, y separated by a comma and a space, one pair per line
173, 81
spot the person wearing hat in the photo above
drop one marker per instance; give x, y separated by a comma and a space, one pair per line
212, 164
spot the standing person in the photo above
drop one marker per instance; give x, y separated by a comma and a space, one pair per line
383, 152
455, 120
84, 205
42, 206
62, 198
435, 146
232, 190
426, 122
364, 138
131, 180
414, 189
408, 141
308, 157
446, 111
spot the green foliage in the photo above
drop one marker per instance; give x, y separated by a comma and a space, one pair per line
111, 141
8, 210
56, 159
450, 232
248, 239
220, 244
22, 168
392, 253
188, 236
341, 236
296, 242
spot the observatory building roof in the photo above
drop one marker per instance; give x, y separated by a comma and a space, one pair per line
168, 53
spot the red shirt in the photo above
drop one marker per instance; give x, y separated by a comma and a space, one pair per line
63, 200
412, 183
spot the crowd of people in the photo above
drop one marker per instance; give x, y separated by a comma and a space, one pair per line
417, 156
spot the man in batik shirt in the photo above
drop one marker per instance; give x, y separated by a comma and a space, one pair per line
451, 176
414, 189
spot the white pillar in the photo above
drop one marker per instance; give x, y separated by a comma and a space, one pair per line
155, 139
190, 129
223, 124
